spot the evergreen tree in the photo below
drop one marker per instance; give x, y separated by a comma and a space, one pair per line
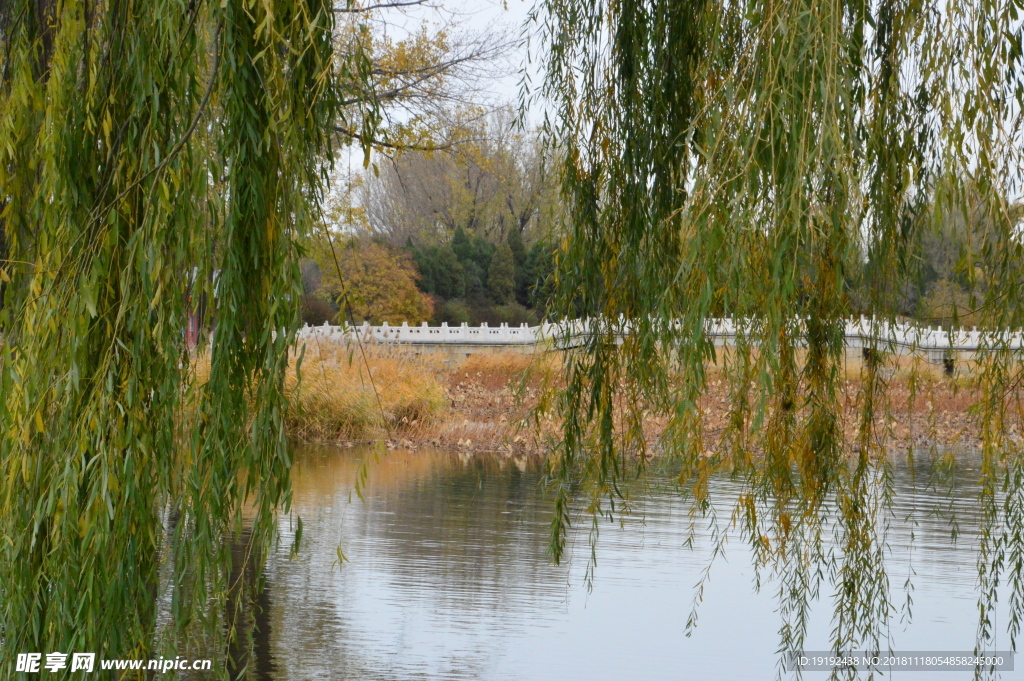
535, 285
474, 254
442, 273
461, 245
476, 290
515, 242
501, 277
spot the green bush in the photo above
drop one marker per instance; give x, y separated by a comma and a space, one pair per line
452, 312
512, 314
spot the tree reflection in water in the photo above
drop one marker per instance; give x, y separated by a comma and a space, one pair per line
450, 574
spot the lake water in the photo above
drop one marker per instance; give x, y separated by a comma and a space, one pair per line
448, 576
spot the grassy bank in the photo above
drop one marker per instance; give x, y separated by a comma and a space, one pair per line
378, 393
341, 396
484, 403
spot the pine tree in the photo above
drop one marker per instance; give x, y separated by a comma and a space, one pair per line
501, 276
515, 242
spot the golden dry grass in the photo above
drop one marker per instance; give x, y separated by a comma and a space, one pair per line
342, 395
498, 371
484, 403
347, 394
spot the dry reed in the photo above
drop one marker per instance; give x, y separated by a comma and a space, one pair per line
346, 394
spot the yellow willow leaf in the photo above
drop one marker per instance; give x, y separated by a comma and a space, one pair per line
156, 297
39, 422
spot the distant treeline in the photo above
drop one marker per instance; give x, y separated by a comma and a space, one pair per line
463, 234
473, 280
468, 279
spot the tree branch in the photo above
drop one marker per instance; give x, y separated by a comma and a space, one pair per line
382, 5
402, 147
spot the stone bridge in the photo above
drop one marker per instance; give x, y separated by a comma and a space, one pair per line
936, 345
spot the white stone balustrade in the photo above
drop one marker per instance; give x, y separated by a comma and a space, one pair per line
860, 333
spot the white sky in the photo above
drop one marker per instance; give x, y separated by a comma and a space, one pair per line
469, 17
474, 17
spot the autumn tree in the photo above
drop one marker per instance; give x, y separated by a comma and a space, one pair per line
945, 278
150, 154
490, 179
377, 284
418, 85
413, 81
488, 183
957, 256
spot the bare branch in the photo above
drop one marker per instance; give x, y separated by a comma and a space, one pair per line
382, 5
373, 141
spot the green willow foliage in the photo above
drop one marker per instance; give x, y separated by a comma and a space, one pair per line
156, 158
757, 159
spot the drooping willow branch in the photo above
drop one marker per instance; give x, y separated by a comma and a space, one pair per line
777, 162
156, 160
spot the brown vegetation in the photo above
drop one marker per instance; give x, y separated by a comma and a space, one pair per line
919, 409
350, 395
371, 282
343, 395
485, 403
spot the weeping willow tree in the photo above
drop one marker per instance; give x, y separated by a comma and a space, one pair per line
153, 156
758, 160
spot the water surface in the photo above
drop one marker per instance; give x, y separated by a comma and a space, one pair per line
448, 576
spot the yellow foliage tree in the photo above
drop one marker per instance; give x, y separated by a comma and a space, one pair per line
376, 283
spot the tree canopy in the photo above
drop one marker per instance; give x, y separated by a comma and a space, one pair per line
771, 161
377, 284
161, 162
484, 182
488, 177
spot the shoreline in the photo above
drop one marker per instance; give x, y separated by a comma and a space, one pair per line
481, 404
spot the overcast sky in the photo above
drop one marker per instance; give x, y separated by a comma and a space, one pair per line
474, 17
511, 15
471, 17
